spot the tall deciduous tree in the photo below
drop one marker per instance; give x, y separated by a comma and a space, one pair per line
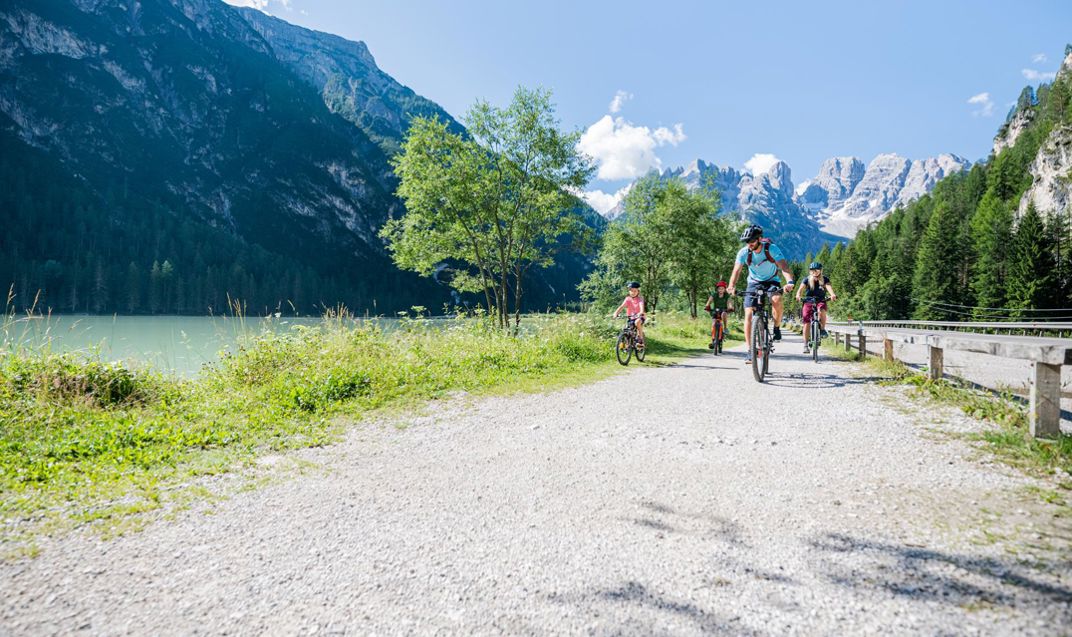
490, 204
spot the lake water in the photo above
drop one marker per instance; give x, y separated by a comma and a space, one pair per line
179, 345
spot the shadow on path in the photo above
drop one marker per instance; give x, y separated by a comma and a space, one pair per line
934, 576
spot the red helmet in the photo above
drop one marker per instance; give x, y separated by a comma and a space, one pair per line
721, 284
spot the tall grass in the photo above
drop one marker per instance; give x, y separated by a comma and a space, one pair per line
78, 434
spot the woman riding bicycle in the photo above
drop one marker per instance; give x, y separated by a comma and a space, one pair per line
814, 291
719, 304
634, 309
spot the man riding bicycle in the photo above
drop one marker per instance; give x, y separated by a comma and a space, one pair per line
814, 291
763, 260
719, 304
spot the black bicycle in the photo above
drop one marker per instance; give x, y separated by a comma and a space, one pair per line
626, 345
815, 331
761, 340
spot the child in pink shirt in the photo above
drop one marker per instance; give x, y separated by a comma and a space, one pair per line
634, 309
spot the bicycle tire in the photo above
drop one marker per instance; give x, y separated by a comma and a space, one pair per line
623, 348
814, 341
718, 341
639, 353
757, 347
768, 348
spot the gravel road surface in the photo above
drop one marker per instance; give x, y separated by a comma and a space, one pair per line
681, 499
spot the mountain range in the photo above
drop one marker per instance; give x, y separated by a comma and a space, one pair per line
845, 196
248, 154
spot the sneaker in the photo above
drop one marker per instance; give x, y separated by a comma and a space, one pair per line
807, 350
640, 345
747, 359
711, 345
777, 333
823, 334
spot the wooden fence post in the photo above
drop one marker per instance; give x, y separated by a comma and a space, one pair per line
1044, 411
887, 349
937, 367
848, 343
862, 338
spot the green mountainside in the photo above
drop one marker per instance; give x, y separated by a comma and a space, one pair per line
162, 156
991, 243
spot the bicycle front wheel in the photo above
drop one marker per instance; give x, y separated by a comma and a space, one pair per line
623, 349
757, 348
639, 353
815, 341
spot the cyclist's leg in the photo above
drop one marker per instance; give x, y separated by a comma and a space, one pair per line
822, 316
777, 307
725, 323
640, 329
806, 317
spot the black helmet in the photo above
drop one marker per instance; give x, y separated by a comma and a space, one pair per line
633, 284
751, 233
815, 265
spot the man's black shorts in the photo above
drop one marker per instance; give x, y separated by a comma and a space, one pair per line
773, 288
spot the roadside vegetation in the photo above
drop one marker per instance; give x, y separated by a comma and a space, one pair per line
87, 441
1009, 439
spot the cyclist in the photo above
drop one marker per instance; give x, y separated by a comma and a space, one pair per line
764, 260
814, 291
634, 309
719, 304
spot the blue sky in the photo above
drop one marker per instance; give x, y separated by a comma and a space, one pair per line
724, 82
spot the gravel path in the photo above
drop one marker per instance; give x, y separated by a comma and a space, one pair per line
682, 499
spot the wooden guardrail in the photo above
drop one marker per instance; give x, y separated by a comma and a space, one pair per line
1047, 354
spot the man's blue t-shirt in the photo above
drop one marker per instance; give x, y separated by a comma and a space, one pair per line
761, 269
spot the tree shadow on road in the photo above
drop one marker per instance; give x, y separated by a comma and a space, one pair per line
929, 575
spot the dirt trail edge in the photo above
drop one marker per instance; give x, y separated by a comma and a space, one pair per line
683, 499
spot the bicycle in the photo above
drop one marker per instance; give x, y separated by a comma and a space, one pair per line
626, 345
719, 331
815, 330
761, 340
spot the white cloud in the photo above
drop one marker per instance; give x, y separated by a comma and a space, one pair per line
262, 5
624, 150
1039, 58
761, 163
604, 202
1038, 76
985, 104
621, 97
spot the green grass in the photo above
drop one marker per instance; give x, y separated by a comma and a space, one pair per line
1010, 440
86, 442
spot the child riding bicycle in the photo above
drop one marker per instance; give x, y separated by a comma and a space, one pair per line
719, 304
634, 309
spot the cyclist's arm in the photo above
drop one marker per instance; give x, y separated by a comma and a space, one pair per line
619, 309
800, 291
707, 307
783, 265
643, 308
733, 277
830, 290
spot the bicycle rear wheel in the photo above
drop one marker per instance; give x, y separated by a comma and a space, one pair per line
639, 352
757, 348
623, 349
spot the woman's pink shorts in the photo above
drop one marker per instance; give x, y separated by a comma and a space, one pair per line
809, 310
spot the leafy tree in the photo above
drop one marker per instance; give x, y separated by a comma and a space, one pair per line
492, 204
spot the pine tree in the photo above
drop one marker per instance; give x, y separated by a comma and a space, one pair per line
991, 229
938, 260
1031, 267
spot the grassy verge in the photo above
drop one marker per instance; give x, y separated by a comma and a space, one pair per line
1010, 439
86, 442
